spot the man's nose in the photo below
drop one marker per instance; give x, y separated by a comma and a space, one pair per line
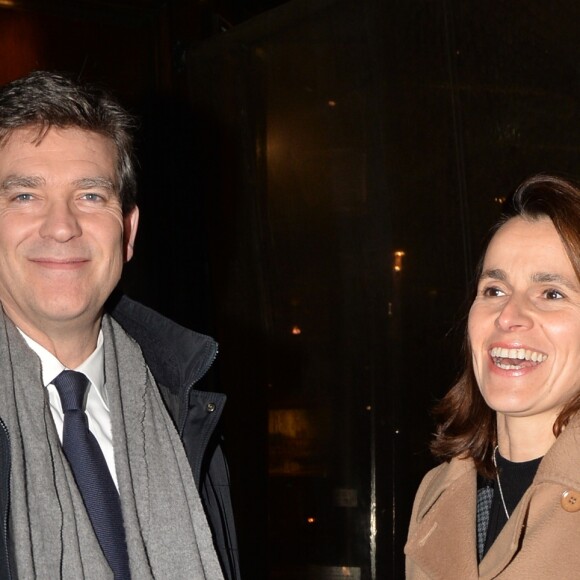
60, 222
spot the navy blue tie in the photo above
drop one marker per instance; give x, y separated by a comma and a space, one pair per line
92, 473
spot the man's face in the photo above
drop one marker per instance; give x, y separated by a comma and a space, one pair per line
63, 237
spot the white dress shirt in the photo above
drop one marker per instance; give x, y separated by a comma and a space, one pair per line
97, 408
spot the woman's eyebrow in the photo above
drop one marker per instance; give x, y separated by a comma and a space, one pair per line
494, 274
550, 277
536, 278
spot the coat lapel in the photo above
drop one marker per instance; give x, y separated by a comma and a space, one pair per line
507, 543
443, 542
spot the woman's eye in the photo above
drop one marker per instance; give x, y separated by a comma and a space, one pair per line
553, 294
493, 292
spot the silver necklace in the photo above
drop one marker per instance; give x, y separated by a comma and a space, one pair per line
507, 514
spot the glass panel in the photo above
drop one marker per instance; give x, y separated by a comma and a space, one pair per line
357, 152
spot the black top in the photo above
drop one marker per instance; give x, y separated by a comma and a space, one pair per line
515, 479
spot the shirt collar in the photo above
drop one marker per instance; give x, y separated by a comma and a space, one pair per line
93, 367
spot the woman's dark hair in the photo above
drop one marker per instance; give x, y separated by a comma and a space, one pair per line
466, 425
45, 99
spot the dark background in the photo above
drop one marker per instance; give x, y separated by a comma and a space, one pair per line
288, 150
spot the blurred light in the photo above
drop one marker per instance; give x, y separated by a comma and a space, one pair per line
500, 199
291, 423
398, 260
331, 103
310, 520
7, 3
368, 407
296, 330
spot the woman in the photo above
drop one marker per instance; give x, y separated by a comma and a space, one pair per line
505, 502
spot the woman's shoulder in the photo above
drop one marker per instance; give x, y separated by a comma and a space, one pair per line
448, 471
438, 479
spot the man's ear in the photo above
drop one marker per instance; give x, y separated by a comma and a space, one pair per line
130, 223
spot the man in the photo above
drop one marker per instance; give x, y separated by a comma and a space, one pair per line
110, 466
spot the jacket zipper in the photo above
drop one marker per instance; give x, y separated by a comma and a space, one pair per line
7, 479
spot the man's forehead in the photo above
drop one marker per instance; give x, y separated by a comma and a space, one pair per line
36, 133
19, 162
32, 132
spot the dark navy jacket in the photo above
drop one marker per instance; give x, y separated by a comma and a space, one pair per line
178, 359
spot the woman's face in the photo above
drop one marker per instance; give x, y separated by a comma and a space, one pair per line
524, 325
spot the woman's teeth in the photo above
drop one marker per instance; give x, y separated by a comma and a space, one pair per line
516, 358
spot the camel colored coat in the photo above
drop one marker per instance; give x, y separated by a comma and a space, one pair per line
540, 541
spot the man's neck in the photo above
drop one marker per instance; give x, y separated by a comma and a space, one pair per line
70, 343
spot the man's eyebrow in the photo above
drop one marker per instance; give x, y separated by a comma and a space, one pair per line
22, 181
34, 181
99, 182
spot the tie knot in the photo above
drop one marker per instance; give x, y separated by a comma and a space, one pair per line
72, 387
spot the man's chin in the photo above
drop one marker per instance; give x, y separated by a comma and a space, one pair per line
56, 314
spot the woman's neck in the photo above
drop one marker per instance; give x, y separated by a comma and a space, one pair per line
525, 438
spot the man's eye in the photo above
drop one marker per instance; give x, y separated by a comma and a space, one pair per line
23, 197
92, 197
553, 294
493, 291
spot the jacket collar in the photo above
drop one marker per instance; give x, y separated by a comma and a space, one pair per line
177, 356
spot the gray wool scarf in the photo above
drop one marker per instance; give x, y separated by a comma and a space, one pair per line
168, 537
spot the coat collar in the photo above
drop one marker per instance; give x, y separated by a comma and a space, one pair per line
444, 519
445, 515
559, 466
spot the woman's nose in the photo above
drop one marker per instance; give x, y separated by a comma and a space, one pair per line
514, 315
